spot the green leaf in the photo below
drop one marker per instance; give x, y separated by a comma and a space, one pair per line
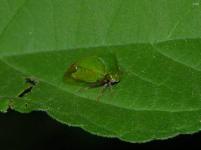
157, 45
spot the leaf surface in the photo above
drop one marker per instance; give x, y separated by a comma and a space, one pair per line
158, 47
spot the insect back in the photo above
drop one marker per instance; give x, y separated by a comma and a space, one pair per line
100, 70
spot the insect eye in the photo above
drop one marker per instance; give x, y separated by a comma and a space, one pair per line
73, 68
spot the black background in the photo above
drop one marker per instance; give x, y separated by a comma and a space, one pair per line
38, 131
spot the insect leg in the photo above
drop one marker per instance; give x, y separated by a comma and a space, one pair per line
111, 91
101, 91
110, 86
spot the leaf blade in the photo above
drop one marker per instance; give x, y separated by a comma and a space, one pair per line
159, 95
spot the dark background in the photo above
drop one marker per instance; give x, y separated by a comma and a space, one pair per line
38, 131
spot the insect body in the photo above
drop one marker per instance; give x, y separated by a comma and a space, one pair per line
95, 71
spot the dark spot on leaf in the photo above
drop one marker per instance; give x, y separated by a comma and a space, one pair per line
26, 105
26, 91
31, 83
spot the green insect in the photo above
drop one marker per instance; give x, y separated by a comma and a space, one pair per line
96, 71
